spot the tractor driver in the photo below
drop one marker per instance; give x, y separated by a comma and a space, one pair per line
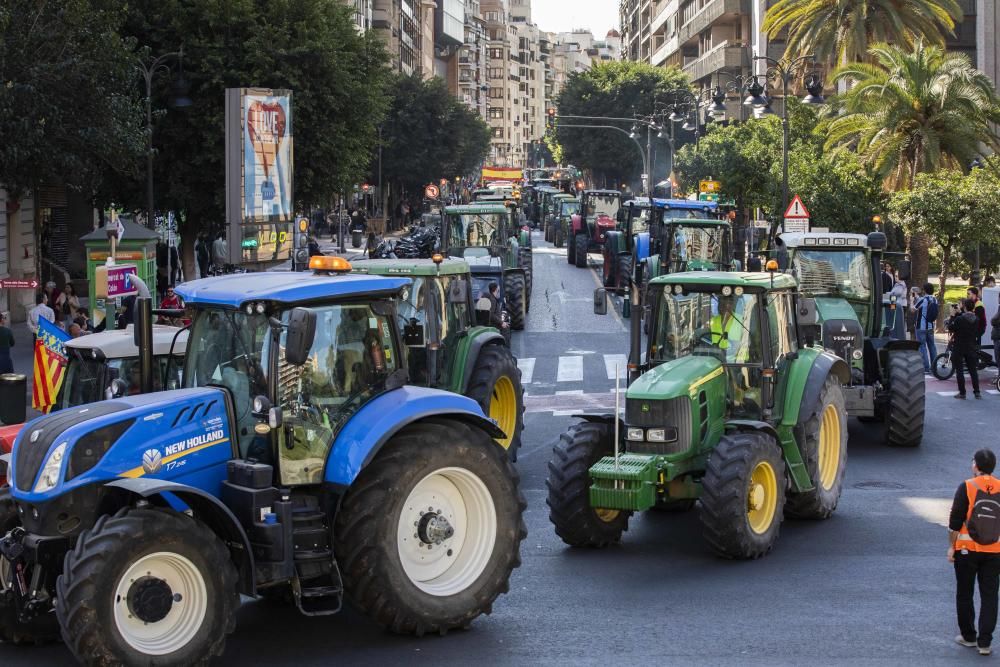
728, 330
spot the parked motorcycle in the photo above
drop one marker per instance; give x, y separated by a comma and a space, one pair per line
942, 368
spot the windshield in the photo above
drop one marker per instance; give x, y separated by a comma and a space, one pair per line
569, 208
475, 230
843, 273
706, 324
86, 381
695, 248
603, 205
639, 218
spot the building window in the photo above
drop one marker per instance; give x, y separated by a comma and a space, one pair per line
498, 133
496, 114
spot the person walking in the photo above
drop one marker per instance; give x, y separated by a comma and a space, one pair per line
40, 311
995, 334
964, 329
67, 303
219, 253
979, 311
925, 315
975, 551
6, 342
203, 254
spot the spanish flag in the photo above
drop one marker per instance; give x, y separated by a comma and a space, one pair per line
50, 363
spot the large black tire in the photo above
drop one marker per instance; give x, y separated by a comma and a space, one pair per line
495, 363
86, 599
942, 368
580, 253
514, 294
366, 530
623, 270
525, 262
576, 522
726, 493
571, 247
905, 418
548, 232
607, 268
41, 629
830, 420
557, 235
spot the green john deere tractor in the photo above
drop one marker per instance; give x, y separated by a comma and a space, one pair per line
841, 275
448, 347
562, 220
728, 407
488, 230
552, 207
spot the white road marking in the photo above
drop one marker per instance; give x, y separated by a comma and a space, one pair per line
619, 360
569, 392
527, 367
570, 369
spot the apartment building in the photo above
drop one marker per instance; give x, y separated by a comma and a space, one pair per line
362, 14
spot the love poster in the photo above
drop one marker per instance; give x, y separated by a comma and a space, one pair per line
267, 157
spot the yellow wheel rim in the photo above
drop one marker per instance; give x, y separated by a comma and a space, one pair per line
606, 515
503, 409
762, 497
829, 447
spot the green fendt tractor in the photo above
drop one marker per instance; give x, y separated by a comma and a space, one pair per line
729, 408
562, 220
841, 273
488, 229
447, 347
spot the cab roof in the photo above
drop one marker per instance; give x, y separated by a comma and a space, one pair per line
120, 343
602, 192
686, 204
283, 287
547, 188
733, 278
410, 267
823, 240
485, 207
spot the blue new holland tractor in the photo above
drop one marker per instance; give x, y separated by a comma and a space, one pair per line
296, 463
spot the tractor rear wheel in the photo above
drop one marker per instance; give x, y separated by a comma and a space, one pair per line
571, 247
148, 587
608, 268
905, 418
557, 235
548, 232
524, 261
430, 531
580, 254
825, 455
576, 522
496, 386
514, 293
743, 495
42, 628
623, 271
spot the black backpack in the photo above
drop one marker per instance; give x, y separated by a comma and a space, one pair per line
932, 310
984, 522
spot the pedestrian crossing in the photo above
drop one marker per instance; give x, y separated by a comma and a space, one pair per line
565, 373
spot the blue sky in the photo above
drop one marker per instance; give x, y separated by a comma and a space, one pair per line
598, 16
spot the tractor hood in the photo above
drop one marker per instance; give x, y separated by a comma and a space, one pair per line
605, 221
830, 308
674, 378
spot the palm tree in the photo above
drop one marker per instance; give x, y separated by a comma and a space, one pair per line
915, 111
841, 31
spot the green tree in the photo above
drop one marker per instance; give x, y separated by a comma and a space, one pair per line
612, 89
68, 108
911, 112
841, 31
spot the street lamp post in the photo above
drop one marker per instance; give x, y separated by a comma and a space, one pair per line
644, 154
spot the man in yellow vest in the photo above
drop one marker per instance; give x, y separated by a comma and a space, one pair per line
973, 559
727, 328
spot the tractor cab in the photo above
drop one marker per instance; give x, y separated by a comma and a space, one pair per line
688, 236
599, 213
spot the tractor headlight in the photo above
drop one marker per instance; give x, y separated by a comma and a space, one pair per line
738, 291
726, 290
50, 471
656, 435
857, 354
635, 434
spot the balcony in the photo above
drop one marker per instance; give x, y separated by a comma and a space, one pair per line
381, 19
709, 15
724, 56
666, 49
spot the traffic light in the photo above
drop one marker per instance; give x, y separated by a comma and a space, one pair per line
300, 245
550, 118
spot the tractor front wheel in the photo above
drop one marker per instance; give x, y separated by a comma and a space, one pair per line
43, 627
576, 522
149, 587
514, 294
825, 456
496, 386
430, 531
905, 418
582, 243
557, 236
743, 495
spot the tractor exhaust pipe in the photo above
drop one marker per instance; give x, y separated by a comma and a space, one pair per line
142, 331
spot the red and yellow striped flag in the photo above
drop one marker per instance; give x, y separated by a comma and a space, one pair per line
50, 363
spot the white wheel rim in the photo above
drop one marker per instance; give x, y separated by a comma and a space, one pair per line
186, 614
5, 574
454, 564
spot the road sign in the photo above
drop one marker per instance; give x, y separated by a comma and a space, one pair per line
709, 186
10, 283
761, 224
796, 225
431, 192
120, 230
120, 282
708, 196
797, 209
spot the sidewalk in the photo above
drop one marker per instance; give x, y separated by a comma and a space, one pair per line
23, 356
332, 249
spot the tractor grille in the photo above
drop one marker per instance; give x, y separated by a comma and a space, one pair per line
843, 336
674, 413
29, 456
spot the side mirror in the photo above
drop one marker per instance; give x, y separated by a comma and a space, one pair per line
904, 270
413, 334
117, 389
301, 333
600, 301
806, 311
458, 291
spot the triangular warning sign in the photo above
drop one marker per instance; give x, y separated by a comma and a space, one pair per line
797, 209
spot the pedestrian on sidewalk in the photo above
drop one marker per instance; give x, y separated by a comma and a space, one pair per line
975, 551
925, 315
6, 342
979, 311
964, 328
41, 310
67, 304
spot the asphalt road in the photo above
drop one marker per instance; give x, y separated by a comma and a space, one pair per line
869, 586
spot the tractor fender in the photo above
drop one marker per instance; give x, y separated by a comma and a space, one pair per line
576, 224
641, 246
602, 419
476, 343
753, 425
823, 366
614, 243
377, 421
894, 345
524, 237
209, 511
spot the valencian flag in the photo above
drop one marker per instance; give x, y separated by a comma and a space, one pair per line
50, 364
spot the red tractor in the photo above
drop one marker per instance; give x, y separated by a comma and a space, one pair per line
598, 215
